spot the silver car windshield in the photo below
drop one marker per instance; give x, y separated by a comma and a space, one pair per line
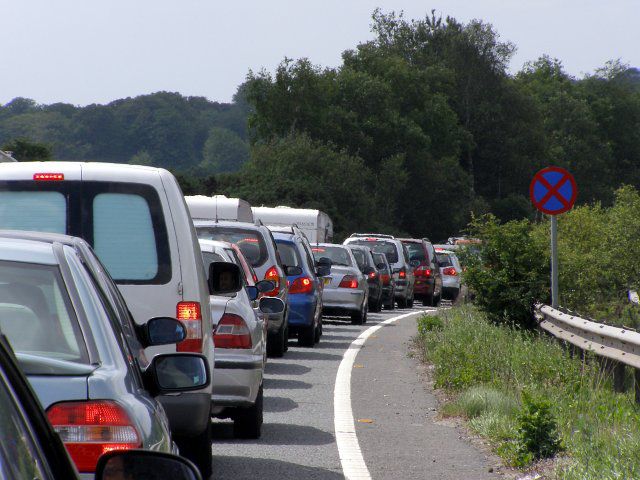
36, 313
337, 255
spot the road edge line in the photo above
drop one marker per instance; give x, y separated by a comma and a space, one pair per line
351, 459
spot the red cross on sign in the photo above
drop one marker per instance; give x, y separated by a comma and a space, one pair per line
553, 190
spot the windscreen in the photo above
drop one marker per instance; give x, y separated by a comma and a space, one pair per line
416, 252
388, 248
337, 255
444, 260
36, 314
288, 254
250, 242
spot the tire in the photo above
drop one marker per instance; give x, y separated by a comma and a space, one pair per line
276, 344
402, 303
318, 331
360, 317
307, 336
378, 305
198, 450
248, 422
410, 302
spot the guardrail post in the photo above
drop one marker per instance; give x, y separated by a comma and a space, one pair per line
618, 377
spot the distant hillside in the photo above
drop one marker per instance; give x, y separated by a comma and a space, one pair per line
164, 129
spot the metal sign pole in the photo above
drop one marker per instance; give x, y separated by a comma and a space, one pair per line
554, 261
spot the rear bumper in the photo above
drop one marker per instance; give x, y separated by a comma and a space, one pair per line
342, 299
424, 288
236, 382
302, 310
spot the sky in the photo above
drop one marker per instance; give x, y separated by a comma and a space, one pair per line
96, 51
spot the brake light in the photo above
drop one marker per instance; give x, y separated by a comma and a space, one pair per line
48, 177
371, 239
190, 315
91, 429
272, 275
450, 271
349, 281
423, 271
301, 285
373, 275
232, 332
402, 273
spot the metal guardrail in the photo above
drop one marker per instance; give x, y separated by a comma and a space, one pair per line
618, 344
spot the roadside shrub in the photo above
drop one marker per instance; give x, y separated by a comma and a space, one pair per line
537, 431
428, 323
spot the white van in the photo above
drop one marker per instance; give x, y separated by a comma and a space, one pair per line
137, 221
315, 224
219, 207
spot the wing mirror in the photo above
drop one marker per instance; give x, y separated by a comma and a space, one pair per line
323, 266
292, 271
161, 331
381, 266
263, 286
140, 464
177, 372
224, 277
271, 305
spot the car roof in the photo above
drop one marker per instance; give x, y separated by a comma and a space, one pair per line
34, 247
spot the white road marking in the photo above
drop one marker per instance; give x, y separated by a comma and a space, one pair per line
353, 464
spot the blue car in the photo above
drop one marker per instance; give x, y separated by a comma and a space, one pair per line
305, 284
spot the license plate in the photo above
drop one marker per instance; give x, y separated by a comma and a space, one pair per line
327, 280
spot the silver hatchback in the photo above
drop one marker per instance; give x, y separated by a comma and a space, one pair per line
346, 291
82, 352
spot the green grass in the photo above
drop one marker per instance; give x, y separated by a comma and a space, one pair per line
487, 367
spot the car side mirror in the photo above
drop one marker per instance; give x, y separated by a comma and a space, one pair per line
271, 305
224, 277
414, 263
252, 292
145, 464
292, 271
161, 331
177, 372
323, 270
265, 286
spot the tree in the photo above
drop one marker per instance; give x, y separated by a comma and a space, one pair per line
24, 150
224, 151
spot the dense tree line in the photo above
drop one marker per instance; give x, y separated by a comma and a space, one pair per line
415, 130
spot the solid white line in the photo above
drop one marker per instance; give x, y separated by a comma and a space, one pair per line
353, 465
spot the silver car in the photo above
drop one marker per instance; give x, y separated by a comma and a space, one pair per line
450, 270
259, 248
346, 291
82, 352
240, 338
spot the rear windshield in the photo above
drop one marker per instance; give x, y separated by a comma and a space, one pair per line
337, 255
36, 314
34, 211
416, 252
360, 257
289, 255
250, 242
388, 248
444, 260
379, 258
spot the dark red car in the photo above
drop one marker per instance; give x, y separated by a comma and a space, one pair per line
428, 286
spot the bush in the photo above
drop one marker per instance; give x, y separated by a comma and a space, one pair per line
428, 323
537, 431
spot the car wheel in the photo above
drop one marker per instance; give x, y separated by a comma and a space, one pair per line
198, 450
307, 336
318, 331
402, 303
276, 343
248, 422
359, 317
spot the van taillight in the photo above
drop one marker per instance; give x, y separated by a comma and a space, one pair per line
190, 315
232, 332
272, 275
48, 177
91, 429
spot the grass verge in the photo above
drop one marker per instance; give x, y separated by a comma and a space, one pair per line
516, 387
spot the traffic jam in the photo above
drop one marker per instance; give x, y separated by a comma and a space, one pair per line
133, 318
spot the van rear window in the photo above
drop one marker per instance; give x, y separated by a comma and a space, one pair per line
250, 242
33, 211
388, 248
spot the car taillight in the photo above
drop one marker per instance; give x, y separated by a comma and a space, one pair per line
402, 273
301, 285
450, 271
373, 275
232, 332
349, 281
190, 315
90, 429
272, 275
385, 279
48, 177
423, 271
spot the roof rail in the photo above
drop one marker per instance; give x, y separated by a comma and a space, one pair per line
380, 235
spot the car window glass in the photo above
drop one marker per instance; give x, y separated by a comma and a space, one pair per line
36, 313
250, 242
288, 254
444, 260
234, 256
360, 258
405, 253
114, 214
388, 248
209, 258
20, 456
34, 211
416, 252
337, 255
380, 258
308, 257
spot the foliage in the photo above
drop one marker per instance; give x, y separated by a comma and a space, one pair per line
537, 430
473, 358
428, 323
24, 150
224, 151
510, 272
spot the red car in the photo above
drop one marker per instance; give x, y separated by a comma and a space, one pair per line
428, 286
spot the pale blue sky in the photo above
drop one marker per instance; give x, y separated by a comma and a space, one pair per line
96, 51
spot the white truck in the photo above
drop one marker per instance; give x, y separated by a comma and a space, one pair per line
219, 207
315, 224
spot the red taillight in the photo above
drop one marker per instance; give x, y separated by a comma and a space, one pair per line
48, 177
301, 285
190, 315
90, 429
385, 278
232, 332
373, 275
402, 274
450, 271
272, 275
423, 271
349, 281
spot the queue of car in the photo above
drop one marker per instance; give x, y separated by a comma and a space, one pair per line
138, 314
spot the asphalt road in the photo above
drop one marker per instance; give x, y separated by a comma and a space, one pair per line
395, 421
